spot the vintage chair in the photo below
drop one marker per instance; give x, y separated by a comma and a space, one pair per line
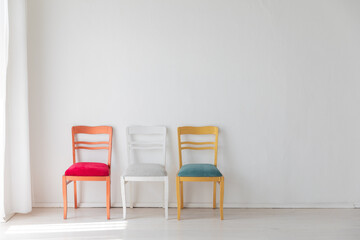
198, 172
89, 171
154, 138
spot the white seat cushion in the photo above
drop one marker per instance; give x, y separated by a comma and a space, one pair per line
145, 169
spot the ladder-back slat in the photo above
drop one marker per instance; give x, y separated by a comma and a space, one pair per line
92, 130
134, 143
92, 148
199, 143
91, 143
198, 148
198, 130
144, 130
147, 148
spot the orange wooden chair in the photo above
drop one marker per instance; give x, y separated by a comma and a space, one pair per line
88, 171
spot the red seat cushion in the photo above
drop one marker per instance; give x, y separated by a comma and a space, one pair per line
88, 169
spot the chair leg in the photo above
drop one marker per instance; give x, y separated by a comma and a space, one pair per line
166, 197
163, 204
64, 186
182, 194
214, 196
108, 197
222, 198
123, 197
178, 197
75, 195
130, 195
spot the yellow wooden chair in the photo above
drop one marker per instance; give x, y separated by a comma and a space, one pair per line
199, 172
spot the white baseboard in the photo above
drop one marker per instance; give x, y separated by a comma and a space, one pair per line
6, 218
209, 205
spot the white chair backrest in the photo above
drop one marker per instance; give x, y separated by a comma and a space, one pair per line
146, 138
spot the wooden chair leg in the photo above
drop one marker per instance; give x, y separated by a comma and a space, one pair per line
182, 194
166, 197
214, 196
222, 198
123, 197
64, 186
178, 197
75, 195
108, 200
130, 194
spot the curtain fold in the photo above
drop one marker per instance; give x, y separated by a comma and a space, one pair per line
4, 38
14, 143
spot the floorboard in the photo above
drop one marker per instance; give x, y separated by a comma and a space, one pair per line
149, 223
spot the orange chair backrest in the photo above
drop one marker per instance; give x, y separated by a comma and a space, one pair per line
197, 145
92, 145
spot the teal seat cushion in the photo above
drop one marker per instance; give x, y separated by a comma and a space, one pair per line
199, 170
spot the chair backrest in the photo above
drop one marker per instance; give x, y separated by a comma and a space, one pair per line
90, 145
198, 145
143, 138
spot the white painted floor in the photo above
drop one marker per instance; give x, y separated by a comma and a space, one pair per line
149, 223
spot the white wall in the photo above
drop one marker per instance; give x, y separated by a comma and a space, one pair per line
280, 78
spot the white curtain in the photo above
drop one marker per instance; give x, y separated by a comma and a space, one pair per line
15, 179
3, 63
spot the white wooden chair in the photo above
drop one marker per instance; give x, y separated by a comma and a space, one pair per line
149, 171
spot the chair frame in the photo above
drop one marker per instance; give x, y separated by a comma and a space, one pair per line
89, 145
148, 145
208, 130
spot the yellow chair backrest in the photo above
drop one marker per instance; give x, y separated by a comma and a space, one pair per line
208, 130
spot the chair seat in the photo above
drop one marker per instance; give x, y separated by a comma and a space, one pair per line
199, 170
88, 169
145, 170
